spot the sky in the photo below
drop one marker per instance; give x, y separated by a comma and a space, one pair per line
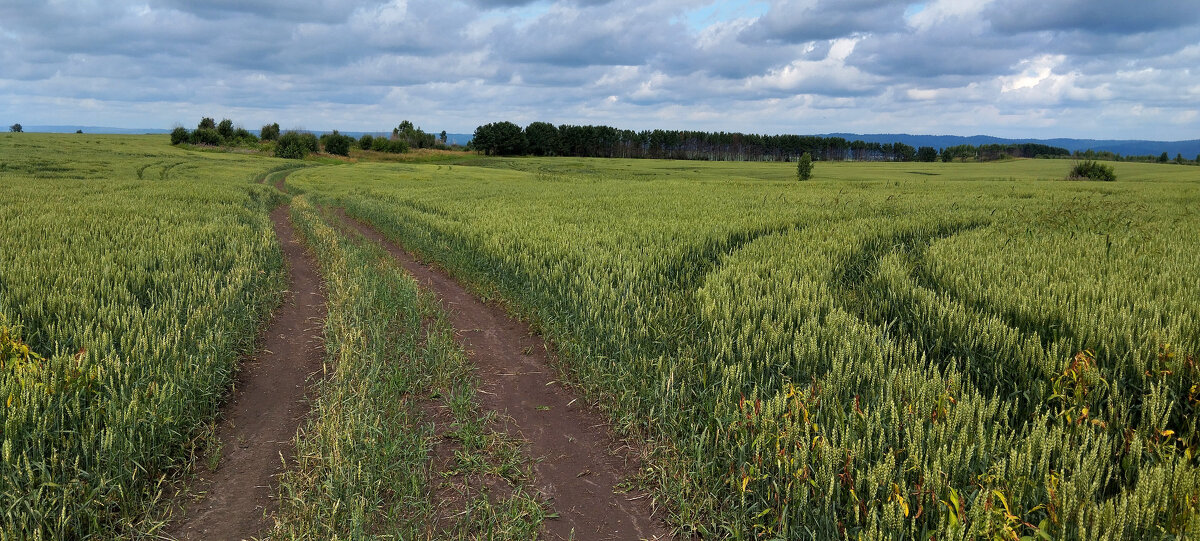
1103, 69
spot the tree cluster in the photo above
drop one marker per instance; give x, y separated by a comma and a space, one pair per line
992, 152
545, 139
211, 133
414, 136
382, 144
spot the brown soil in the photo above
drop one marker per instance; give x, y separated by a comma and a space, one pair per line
580, 465
261, 416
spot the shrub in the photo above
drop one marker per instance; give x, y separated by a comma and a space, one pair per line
804, 167
336, 143
207, 123
269, 132
366, 141
295, 145
179, 136
16, 128
206, 136
394, 146
1091, 170
243, 136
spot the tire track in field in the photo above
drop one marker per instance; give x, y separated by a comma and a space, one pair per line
578, 464
261, 417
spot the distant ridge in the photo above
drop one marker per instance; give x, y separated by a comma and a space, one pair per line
1125, 147
1131, 147
94, 129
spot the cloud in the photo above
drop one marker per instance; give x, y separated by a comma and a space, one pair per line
1009, 67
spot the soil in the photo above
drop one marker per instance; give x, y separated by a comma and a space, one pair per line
261, 417
578, 464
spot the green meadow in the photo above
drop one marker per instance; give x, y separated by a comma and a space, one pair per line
888, 350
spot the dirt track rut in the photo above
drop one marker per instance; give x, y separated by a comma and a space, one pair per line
261, 417
578, 465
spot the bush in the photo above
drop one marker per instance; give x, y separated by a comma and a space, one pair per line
804, 167
207, 123
206, 136
179, 135
243, 136
336, 143
1091, 170
269, 132
394, 146
366, 141
295, 145
16, 128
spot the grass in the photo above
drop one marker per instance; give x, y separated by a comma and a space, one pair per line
138, 274
888, 350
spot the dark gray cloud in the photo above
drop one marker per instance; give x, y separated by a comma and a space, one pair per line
1096, 16
1010, 67
799, 21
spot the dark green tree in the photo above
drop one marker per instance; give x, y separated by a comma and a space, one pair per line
1179, 158
179, 135
542, 138
804, 167
269, 132
1163, 158
927, 154
225, 129
207, 123
16, 128
295, 145
366, 141
442, 137
336, 143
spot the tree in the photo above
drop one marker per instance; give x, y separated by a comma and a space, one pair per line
207, 123
442, 137
927, 154
225, 129
804, 167
1162, 158
16, 128
1179, 158
500, 138
366, 141
542, 138
269, 132
78, 131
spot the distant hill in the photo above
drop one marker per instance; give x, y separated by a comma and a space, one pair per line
1189, 149
94, 129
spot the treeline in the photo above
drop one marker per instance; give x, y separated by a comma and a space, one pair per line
296, 144
545, 139
1148, 158
212, 133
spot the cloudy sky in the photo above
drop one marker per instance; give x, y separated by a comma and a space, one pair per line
1015, 68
